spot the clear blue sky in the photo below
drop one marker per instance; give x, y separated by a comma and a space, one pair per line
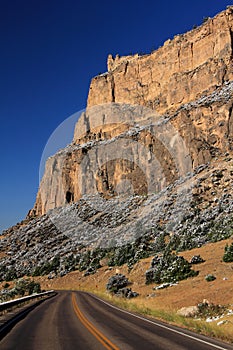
49, 51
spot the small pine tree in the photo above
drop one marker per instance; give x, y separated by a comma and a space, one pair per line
228, 255
210, 277
205, 19
169, 268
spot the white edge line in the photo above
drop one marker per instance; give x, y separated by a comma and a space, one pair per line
160, 325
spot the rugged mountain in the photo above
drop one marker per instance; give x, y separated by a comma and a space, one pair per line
151, 157
187, 83
180, 71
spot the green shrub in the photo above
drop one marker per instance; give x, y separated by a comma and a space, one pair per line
169, 268
210, 277
27, 286
70, 263
228, 255
196, 259
210, 310
130, 253
116, 282
47, 267
90, 260
205, 19
11, 274
220, 229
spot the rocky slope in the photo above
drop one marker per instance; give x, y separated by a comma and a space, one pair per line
190, 212
151, 157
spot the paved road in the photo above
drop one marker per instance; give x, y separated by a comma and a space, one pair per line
81, 321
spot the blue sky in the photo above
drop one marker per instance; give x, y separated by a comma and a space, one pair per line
50, 50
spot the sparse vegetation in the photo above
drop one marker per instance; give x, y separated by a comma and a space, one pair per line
165, 303
205, 19
117, 282
89, 261
228, 255
206, 309
11, 274
21, 288
47, 267
27, 287
117, 285
196, 259
130, 253
210, 278
169, 268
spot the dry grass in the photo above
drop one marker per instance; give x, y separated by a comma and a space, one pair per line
186, 293
225, 332
165, 303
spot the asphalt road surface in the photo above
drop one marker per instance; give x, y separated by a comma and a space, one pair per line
78, 320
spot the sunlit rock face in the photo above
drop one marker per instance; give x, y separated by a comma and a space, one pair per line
179, 72
150, 120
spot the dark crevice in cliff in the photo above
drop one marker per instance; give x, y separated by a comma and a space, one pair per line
86, 122
192, 53
126, 68
113, 88
54, 166
178, 54
224, 72
229, 121
69, 197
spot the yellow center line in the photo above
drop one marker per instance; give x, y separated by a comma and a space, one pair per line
92, 329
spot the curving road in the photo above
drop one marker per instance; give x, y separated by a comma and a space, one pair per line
80, 320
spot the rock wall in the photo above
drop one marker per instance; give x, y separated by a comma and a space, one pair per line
177, 73
122, 143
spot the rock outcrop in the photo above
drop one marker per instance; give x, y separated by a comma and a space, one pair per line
179, 72
149, 120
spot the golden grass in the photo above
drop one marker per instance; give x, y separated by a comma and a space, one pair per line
225, 332
164, 304
186, 293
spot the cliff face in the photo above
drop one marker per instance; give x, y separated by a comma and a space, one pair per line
177, 73
150, 120
151, 157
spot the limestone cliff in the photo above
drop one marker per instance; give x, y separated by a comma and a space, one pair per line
177, 73
150, 120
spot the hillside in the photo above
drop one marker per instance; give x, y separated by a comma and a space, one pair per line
149, 172
165, 303
172, 298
